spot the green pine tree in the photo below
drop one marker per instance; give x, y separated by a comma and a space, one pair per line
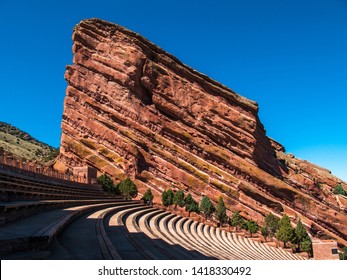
148, 196
188, 199
167, 198
178, 199
285, 231
170, 195
344, 254
221, 214
106, 183
192, 207
237, 221
264, 232
128, 189
271, 224
300, 233
252, 227
306, 245
206, 207
191, 204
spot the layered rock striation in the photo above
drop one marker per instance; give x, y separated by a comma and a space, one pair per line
131, 109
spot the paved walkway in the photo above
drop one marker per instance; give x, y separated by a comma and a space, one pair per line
77, 242
29, 226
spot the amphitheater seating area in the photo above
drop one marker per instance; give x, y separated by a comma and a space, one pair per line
46, 218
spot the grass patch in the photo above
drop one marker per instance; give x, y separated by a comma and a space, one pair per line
89, 143
97, 161
78, 149
225, 188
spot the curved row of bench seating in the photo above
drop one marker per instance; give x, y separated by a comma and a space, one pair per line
158, 234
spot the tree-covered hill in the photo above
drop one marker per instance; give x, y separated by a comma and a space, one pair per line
23, 145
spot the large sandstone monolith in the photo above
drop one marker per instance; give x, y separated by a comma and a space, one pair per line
131, 109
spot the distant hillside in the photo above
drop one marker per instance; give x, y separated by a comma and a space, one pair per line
21, 144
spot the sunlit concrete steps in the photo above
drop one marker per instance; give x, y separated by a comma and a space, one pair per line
143, 223
238, 251
211, 233
133, 242
158, 226
145, 242
196, 241
247, 251
161, 227
261, 251
175, 226
158, 243
211, 245
189, 230
208, 240
169, 233
230, 249
240, 241
151, 231
129, 230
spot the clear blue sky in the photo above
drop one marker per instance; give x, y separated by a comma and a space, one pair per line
290, 56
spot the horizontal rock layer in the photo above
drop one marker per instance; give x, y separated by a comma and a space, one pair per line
131, 109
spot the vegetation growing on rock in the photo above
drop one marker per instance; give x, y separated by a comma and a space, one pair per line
340, 190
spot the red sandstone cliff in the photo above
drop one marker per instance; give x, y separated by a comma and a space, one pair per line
131, 109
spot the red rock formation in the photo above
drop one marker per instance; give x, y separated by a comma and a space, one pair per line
131, 109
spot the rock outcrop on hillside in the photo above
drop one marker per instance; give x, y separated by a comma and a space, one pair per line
131, 109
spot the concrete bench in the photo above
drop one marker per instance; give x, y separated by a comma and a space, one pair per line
119, 220
108, 250
171, 252
215, 234
187, 227
233, 246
